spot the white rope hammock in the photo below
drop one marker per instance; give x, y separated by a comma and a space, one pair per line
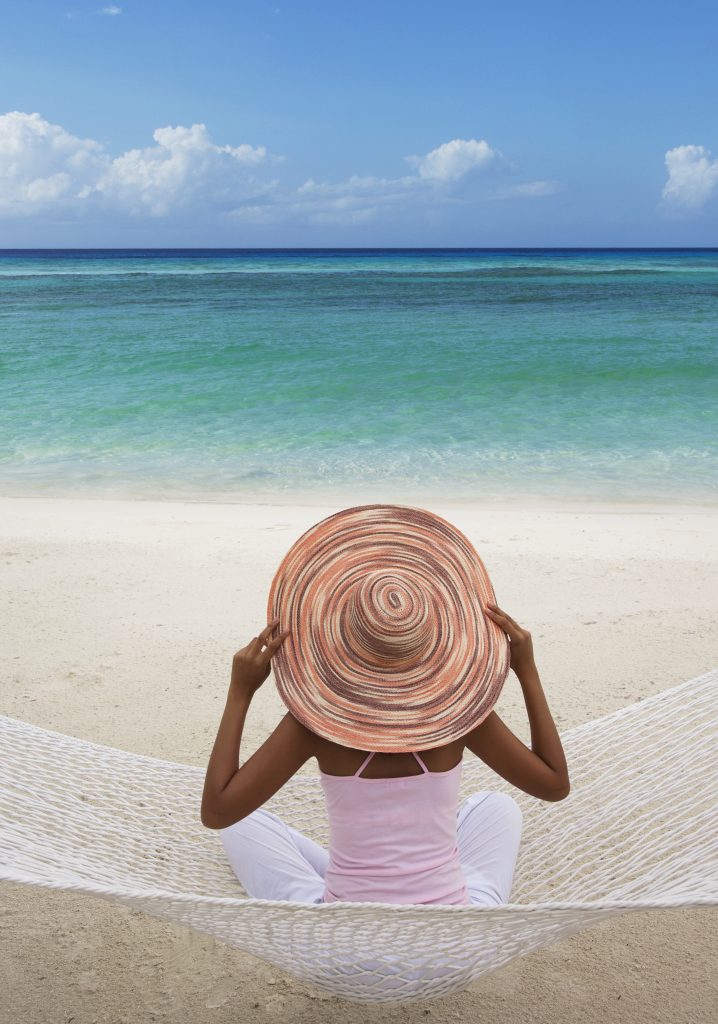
637, 831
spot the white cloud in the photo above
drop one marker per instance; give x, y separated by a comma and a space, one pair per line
42, 164
356, 184
46, 170
692, 176
351, 202
454, 159
450, 174
184, 167
360, 198
112, 10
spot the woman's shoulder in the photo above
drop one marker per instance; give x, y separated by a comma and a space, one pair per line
337, 759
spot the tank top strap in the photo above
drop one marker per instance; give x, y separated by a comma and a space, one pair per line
423, 766
364, 763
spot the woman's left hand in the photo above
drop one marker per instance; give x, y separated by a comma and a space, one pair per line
250, 666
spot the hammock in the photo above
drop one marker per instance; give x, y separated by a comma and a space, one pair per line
637, 831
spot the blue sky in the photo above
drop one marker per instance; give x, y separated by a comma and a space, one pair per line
395, 123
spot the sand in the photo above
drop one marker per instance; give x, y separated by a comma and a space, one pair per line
120, 619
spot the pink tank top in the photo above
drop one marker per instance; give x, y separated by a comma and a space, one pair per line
394, 840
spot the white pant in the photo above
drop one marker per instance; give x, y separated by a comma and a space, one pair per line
274, 861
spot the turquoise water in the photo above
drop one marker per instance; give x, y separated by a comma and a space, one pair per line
263, 374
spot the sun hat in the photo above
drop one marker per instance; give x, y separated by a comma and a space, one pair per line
389, 649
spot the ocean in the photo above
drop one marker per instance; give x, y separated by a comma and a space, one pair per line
387, 374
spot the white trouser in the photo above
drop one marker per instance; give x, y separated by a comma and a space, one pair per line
274, 861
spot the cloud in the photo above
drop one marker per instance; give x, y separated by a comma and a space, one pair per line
41, 164
527, 189
692, 177
45, 170
355, 201
454, 159
185, 167
450, 174
357, 185
110, 10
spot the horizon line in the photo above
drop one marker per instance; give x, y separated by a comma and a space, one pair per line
367, 248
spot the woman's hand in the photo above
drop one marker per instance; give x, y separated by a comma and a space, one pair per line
250, 666
522, 651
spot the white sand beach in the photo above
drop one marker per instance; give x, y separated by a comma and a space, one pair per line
120, 619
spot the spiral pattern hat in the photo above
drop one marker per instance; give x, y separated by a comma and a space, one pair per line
389, 649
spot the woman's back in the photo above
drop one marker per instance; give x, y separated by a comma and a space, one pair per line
393, 839
385, 828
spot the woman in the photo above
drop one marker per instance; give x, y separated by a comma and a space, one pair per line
396, 832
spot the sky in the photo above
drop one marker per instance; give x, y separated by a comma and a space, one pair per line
392, 123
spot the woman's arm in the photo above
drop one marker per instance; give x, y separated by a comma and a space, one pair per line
231, 792
224, 759
266, 771
545, 740
542, 771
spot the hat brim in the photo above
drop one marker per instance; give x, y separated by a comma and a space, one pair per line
433, 575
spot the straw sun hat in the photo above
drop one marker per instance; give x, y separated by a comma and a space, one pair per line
390, 649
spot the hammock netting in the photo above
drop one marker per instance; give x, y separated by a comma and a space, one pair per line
638, 831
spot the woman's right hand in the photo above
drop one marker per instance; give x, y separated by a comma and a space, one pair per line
522, 651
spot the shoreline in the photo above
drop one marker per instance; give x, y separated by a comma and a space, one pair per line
339, 500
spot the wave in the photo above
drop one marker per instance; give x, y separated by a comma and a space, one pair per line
506, 271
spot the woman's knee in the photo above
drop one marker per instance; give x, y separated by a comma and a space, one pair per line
510, 806
257, 819
257, 830
497, 804
509, 811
